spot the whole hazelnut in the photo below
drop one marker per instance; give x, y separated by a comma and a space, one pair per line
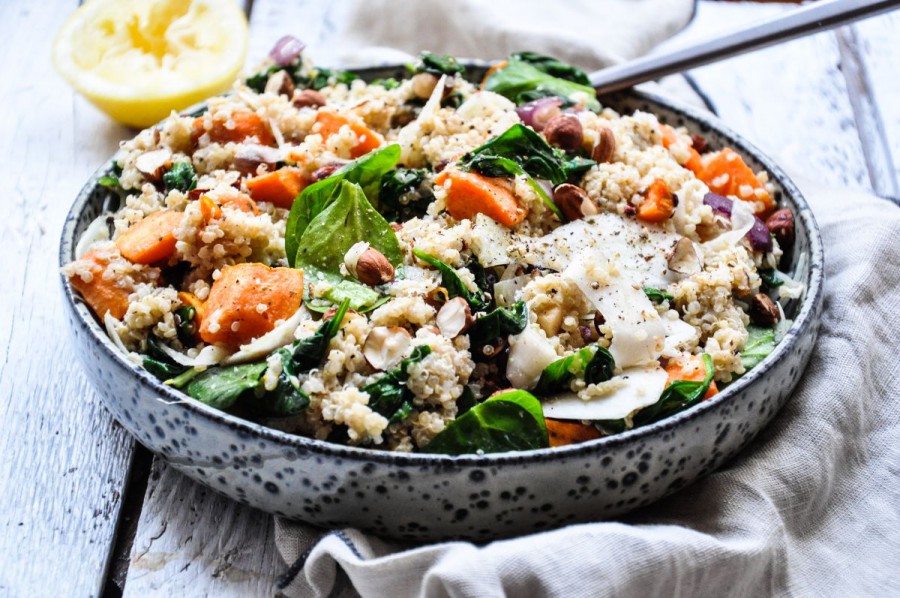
565, 132
368, 265
573, 201
606, 147
781, 225
763, 311
308, 98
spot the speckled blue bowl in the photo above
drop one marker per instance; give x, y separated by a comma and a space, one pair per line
431, 497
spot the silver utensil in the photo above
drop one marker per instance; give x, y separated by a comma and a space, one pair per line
802, 21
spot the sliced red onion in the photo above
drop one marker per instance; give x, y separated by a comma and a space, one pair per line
718, 203
286, 50
759, 236
537, 113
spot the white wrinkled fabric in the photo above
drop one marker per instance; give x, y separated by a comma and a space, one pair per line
810, 508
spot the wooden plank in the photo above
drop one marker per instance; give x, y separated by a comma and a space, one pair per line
791, 100
874, 44
65, 461
194, 542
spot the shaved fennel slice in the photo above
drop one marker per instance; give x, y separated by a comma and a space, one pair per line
634, 389
529, 353
208, 355
110, 323
97, 230
678, 333
638, 333
490, 242
276, 338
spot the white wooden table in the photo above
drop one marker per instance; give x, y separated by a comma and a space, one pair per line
84, 510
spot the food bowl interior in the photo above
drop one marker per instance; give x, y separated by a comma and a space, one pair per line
132, 394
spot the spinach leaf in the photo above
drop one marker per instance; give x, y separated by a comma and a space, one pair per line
593, 362
185, 325
657, 295
770, 278
439, 64
677, 396
501, 322
158, 363
367, 172
322, 77
481, 279
307, 353
386, 83
221, 387
520, 77
523, 146
389, 395
575, 166
347, 220
181, 176
361, 297
466, 400
109, 181
404, 194
510, 421
760, 342
257, 82
451, 281
553, 66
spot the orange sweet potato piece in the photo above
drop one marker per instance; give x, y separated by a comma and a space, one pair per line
562, 433
471, 193
152, 239
659, 204
280, 187
695, 162
691, 368
243, 124
209, 208
726, 173
329, 123
210, 205
100, 294
232, 315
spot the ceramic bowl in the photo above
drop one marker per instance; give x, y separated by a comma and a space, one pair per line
421, 497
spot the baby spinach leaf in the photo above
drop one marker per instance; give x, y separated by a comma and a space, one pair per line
439, 64
770, 278
158, 363
404, 194
657, 295
521, 145
553, 66
348, 219
181, 176
367, 172
451, 281
760, 342
306, 353
575, 166
466, 400
510, 421
501, 322
257, 82
361, 297
221, 387
322, 77
677, 396
389, 395
593, 362
520, 77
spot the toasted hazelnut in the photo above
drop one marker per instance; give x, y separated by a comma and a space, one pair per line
308, 98
684, 258
573, 201
699, 143
250, 157
565, 132
385, 346
323, 172
606, 147
763, 311
781, 225
372, 268
423, 85
543, 114
454, 317
280, 83
154, 164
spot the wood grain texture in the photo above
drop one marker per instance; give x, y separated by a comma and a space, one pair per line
875, 40
790, 100
192, 541
64, 460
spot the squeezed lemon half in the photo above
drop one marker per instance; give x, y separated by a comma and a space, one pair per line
137, 60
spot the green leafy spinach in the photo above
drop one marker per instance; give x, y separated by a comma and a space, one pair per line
181, 177
451, 281
509, 421
677, 396
593, 362
404, 194
521, 77
501, 322
439, 64
389, 395
657, 295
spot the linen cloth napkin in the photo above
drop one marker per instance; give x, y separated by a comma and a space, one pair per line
812, 507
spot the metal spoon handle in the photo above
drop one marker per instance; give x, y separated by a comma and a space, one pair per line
802, 21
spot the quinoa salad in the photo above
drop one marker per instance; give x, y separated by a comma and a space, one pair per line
433, 263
